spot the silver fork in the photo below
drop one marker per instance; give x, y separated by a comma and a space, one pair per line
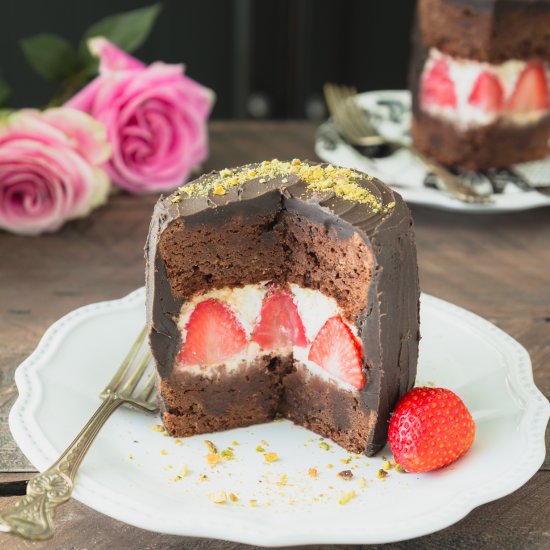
31, 517
356, 128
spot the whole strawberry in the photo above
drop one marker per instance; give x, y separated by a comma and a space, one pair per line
429, 429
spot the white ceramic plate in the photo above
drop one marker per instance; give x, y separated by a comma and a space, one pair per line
522, 187
128, 477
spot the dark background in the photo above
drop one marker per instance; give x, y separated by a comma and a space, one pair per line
263, 58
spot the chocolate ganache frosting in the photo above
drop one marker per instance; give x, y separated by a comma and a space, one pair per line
346, 205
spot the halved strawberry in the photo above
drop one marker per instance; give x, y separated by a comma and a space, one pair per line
214, 335
487, 93
531, 92
437, 86
279, 324
336, 350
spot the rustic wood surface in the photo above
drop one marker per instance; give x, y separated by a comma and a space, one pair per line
495, 265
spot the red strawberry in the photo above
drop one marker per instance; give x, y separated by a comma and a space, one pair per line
279, 324
336, 350
430, 428
437, 86
487, 93
531, 92
214, 334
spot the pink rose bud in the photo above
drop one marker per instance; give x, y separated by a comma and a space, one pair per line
50, 169
155, 119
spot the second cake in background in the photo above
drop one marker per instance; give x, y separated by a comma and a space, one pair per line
481, 83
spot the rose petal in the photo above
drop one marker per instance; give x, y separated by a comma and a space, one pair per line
88, 136
111, 57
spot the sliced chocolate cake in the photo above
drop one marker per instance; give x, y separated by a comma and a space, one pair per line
481, 82
284, 288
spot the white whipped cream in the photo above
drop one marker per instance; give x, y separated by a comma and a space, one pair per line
464, 73
314, 308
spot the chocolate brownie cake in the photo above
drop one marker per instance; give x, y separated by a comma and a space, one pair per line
283, 288
481, 82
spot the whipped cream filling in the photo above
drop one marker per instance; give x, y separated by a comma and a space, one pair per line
464, 73
314, 308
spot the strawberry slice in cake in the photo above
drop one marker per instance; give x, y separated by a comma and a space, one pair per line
283, 288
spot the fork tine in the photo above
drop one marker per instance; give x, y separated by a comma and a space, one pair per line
342, 115
144, 394
328, 90
334, 102
126, 363
130, 385
354, 112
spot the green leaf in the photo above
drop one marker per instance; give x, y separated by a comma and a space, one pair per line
5, 91
4, 114
50, 56
127, 30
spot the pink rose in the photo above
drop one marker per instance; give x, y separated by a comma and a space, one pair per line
50, 169
155, 119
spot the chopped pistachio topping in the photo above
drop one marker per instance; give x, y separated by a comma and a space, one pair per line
345, 474
312, 472
343, 182
218, 498
271, 457
400, 469
260, 449
362, 482
163, 452
233, 497
324, 445
211, 447
346, 497
386, 465
283, 480
213, 458
381, 474
227, 454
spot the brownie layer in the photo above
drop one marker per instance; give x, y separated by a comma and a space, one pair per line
253, 394
193, 404
492, 146
328, 411
277, 229
487, 30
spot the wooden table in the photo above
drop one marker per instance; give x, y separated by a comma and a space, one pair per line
495, 265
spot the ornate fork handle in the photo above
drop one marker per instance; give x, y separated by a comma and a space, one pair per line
31, 517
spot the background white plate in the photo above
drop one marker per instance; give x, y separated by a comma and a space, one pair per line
390, 112
126, 476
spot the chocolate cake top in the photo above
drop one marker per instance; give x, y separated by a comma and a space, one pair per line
362, 200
